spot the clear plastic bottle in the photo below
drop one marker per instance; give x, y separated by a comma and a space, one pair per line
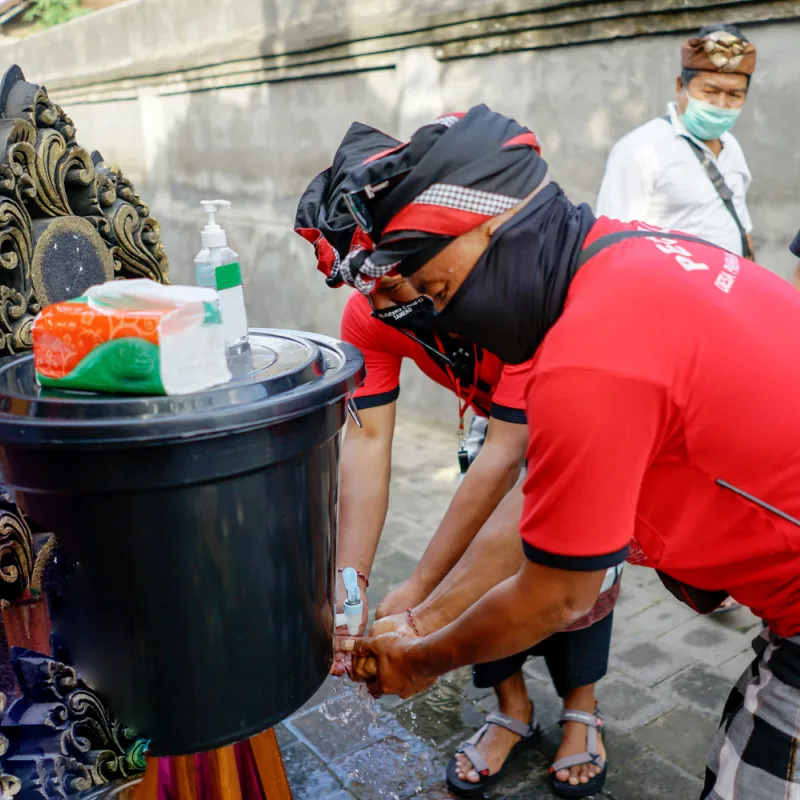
217, 267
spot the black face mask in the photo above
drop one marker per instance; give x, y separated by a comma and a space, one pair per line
417, 317
419, 320
516, 291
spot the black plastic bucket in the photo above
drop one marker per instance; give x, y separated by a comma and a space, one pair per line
204, 527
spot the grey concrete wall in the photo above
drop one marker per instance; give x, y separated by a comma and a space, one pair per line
247, 101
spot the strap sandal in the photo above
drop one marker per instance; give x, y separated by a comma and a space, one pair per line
528, 735
593, 723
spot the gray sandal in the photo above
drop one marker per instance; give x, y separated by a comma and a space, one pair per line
593, 723
528, 734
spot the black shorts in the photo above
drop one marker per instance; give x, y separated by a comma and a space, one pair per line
573, 658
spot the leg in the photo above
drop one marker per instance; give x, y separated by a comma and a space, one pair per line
577, 660
754, 755
506, 678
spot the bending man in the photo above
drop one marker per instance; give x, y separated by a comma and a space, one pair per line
396, 323
664, 392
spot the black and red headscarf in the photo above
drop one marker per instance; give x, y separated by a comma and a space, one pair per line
420, 195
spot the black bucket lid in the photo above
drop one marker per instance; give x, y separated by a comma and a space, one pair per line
284, 374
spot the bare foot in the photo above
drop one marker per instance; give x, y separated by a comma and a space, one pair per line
497, 742
573, 741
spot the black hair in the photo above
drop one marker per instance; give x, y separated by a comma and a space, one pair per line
688, 75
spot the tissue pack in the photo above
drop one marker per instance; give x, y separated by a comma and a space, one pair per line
132, 337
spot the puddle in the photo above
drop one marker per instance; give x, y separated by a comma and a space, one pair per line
399, 765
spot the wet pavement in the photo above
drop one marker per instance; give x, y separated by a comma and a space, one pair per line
669, 674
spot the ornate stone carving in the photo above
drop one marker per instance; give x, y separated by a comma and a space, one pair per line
16, 551
54, 193
76, 743
10, 785
66, 221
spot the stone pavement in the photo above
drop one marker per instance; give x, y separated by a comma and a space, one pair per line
669, 675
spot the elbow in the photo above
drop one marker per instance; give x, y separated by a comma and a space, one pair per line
574, 610
499, 463
567, 611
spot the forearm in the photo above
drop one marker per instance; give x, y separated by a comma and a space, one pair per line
363, 502
511, 618
487, 482
494, 555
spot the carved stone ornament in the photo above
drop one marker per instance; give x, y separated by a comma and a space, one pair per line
59, 738
16, 551
67, 221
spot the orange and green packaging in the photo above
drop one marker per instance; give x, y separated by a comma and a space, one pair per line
132, 337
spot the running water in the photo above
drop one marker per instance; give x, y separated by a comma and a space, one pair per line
391, 766
349, 700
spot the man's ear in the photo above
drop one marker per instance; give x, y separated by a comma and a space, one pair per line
679, 87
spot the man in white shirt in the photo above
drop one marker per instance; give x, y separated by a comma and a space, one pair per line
662, 172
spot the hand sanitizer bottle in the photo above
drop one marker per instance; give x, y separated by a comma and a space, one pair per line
217, 267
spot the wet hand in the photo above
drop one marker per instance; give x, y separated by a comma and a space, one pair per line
388, 664
343, 662
399, 600
341, 658
397, 623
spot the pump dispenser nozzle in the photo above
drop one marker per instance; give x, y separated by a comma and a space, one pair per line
353, 605
213, 235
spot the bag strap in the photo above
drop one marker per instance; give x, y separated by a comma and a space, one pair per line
613, 238
723, 190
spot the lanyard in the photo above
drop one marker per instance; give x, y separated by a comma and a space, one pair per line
463, 406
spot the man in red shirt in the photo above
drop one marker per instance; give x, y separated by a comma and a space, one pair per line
476, 545
665, 395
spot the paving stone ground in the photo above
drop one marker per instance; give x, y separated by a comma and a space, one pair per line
669, 674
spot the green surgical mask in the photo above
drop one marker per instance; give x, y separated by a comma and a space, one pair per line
707, 122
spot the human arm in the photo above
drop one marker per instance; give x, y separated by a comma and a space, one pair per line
365, 472
487, 482
594, 439
365, 463
515, 615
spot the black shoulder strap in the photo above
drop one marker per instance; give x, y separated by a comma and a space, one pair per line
723, 190
613, 238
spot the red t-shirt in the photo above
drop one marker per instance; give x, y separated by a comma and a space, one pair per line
668, 370
501, 390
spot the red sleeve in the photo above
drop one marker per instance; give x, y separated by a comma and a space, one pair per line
594, 438
510, 397
374, 339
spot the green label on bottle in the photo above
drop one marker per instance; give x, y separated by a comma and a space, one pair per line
228, 276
